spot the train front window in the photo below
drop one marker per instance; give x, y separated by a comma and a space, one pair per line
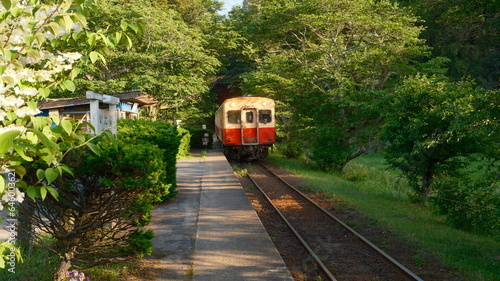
265, 116
233, 116
249, 117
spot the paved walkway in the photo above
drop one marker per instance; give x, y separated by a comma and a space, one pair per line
210, 231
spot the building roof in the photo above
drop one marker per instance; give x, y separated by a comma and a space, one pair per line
58, 103
141, 98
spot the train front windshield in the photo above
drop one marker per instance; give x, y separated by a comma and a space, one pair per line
265, 116
233, 117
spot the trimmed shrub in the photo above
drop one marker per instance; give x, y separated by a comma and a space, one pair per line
161, 134
98, 212
185, 143
197, 136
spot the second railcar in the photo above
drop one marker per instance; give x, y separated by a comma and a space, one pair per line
246, 127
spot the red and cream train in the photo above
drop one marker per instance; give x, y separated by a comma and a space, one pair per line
245, 126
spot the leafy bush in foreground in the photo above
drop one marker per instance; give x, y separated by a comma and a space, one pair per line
97, 214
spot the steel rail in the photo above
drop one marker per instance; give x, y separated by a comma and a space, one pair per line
296, 233
408, 273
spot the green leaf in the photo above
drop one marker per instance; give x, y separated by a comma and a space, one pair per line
65, 168
74, 72
51, 175
69, 85
29, 40
40, 38
128, 43
7, 4
3, 67
67, 22
9, 54
53, 192
11, 116
67, 126
21, 151
54, 28
92, 39
2, 261
124, 25
7, 140
43, 192
8, 80
55, 119
94, 56
81, 19
32, 192
44, 92
111, 138
118, 37
40, 174
35, 54
32, 105
16, 11
20, 170
94, 148
88, 124
21, 184
134, 27
2, 184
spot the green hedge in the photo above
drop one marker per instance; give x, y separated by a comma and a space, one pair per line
108, 198
185, 144
165, 136
197, 134
132, 166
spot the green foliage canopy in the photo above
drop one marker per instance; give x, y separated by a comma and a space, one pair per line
435, 123
168, 59
336, 57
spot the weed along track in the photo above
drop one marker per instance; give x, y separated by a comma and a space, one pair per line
327, 249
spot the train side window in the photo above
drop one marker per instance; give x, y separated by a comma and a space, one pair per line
233, 116
249, 117
265, 116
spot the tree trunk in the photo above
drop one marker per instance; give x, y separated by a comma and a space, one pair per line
25, 224
350, 158
64, 267
427, 180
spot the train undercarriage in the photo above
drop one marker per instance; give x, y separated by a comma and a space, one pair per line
246, 152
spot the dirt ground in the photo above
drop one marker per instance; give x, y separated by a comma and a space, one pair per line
299, 262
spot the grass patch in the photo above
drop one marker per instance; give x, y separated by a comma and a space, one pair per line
40, 265
380, 193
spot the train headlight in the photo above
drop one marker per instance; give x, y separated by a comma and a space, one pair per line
270, 138
264, 103
228, 139
233, 104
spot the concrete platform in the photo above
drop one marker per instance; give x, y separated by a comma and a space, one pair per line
210, 231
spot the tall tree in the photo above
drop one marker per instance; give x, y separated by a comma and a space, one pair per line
333, 51
437, 125
467, 32
168, 60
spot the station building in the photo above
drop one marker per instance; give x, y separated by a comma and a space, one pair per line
102, 111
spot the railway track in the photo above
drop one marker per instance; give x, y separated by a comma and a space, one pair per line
339, 251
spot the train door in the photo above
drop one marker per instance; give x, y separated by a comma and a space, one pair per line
249, 132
